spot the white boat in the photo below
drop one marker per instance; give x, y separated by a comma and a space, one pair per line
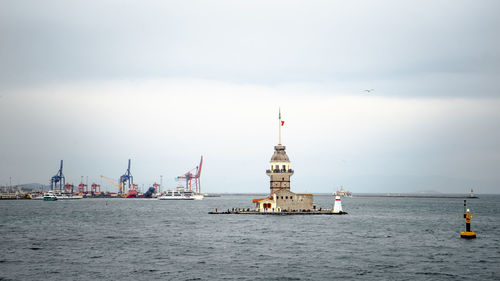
197, 196
49, 196
180, 193
37, 196
66, 195
173, 195
342, 193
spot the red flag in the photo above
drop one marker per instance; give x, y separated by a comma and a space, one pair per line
282, 123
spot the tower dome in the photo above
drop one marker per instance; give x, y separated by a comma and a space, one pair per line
279, 154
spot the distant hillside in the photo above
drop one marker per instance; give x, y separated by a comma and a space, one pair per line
34, 187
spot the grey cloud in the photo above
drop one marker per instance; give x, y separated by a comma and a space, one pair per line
256, 41
77, 82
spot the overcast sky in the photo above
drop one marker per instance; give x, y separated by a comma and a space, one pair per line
163, 82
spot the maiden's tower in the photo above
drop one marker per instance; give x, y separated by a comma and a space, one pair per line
281, 198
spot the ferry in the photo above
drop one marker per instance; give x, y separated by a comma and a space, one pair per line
197, 196
67, 196
342, 193
180, 193
59, 195
37, 196
471, 194
49, 196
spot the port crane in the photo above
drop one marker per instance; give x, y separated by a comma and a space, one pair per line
83, 188
68, 188
193, 174
127, 177
58, 179
93, 188
112, 182
157, 188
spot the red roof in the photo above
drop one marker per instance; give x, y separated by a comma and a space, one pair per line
262, 199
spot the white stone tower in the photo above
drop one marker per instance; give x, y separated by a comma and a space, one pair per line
280, 171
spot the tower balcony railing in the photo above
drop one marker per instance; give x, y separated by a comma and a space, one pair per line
280, 171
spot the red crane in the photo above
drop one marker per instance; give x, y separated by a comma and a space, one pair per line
68, 188
93, 188
82, 188
193, 174
157, 188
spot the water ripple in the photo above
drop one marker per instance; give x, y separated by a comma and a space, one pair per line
380, 239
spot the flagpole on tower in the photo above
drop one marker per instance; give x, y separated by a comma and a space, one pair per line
279, 124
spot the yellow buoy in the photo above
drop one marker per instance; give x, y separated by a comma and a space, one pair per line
467, 234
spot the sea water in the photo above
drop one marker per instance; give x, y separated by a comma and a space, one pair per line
148, 239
